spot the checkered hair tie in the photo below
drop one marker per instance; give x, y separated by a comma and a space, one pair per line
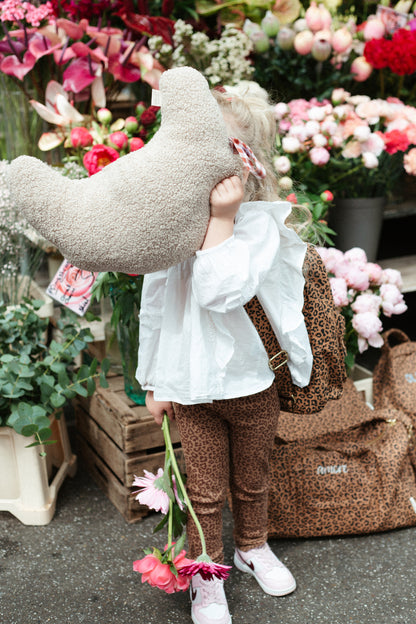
250, 162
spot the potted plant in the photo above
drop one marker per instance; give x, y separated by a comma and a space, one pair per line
38, 377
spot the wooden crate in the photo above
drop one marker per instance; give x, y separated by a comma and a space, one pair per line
119, 439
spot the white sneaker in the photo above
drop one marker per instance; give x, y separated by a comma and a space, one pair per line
271, 574
209, 604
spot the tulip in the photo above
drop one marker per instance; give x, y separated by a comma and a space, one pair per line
341, 40
104, 116
270, 24
361, 69
303, 42
321, 50
374, 28
285, 38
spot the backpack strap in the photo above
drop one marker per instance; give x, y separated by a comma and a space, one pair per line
398, 334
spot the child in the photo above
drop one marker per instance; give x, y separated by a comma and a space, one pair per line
203, 363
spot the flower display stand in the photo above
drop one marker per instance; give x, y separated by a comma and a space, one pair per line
29, 481
118, 439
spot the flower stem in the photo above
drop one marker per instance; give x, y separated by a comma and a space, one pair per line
178, 477
170, 524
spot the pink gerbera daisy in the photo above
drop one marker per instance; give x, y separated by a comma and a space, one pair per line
206, 568
150, 494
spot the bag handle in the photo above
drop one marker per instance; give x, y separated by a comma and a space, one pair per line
397, 333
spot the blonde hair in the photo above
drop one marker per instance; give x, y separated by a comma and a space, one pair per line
249, 116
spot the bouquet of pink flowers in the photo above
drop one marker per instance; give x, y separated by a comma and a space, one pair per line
360, 146
363, 291
170, 569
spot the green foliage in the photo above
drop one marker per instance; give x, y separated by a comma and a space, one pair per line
125, 293
37, 376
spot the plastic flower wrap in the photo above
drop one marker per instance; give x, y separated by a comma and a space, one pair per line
358, 145
169, 569
363, 291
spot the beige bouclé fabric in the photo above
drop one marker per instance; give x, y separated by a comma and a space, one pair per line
148, 210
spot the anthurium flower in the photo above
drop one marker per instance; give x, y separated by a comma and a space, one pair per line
151, 495
12, 66
80, 74
57, 109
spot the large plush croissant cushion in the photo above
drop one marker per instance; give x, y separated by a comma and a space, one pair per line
147, 210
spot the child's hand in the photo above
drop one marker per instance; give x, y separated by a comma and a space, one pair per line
226, 198
158, 408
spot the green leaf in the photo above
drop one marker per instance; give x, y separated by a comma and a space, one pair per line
103, 381
57, 400
29, 430
179, 545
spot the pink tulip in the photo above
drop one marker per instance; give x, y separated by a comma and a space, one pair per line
361, 69
303, 42
374, 28
341, 40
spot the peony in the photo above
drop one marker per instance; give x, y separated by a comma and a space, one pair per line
339, 290
374, 28
148, 117
396, 141
303, 42
367, 302
361, 69
392, 276
409, 161
368, 326
370, 160
80, 137
280, 110
357, 278
375, 272
99, 157
282, 164
341, 40
290, 144
119, 139
286, 183
135, 144
332, 258
392, 300
373, 144
319, 156
357, 256
319, 140
131, 124
104, 116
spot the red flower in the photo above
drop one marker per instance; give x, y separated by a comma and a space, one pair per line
207, 569
160, 575
402, 57
99, 157
119, 139
80, 137
135, 144
148, 117
376, 52
292, 198
396, 141
327, 196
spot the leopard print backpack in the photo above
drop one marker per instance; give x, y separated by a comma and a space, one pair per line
325, 326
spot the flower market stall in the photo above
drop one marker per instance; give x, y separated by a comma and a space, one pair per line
78, 78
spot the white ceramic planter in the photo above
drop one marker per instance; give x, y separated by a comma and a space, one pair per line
29, 482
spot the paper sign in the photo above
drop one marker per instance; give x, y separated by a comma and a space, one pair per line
72, 287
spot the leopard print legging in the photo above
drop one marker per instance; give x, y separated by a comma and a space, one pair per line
227, 445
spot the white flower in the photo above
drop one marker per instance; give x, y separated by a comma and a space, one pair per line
362, 133
373, 144
317, 113
280, 110
286, 183
290, 144
370, 160
312, 127
319, 140
282, 164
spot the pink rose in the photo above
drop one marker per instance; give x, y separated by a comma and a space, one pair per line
159, 574
392, 300
80, 137
339, 291
367, 302
319, 156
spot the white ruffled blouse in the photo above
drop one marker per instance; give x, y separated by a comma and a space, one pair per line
197, 343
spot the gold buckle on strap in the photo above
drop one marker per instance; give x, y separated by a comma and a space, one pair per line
272, 362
